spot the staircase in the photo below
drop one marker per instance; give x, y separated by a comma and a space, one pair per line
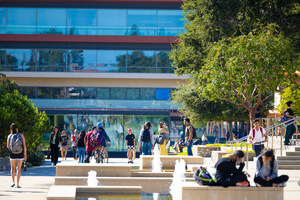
290, 161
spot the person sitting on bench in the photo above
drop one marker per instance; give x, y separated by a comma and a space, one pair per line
267, 171
226, 172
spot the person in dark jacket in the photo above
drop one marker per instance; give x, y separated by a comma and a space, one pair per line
226, 172
267, 171
55, 139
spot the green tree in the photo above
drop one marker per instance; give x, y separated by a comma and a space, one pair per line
209, 21
246, 70
15, 108
290, 93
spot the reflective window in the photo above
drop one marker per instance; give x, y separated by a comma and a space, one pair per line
30, 92
169, 18
82, 93
21, 16
82, 60
142, 18
59, 93
44, 93
51, 21
112, 18
2, 16
147, 93
2, 59
141, 58
108, 61
103, 93
133, 93
51, 60
163, 59
81, 17
162, 94
21, 59
118, 93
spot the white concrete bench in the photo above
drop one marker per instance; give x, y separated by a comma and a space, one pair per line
82, 169
190, 190
168, 162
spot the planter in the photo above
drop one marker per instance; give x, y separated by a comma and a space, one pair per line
204, 151
4, 164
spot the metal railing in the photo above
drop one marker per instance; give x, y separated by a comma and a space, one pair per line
278, 127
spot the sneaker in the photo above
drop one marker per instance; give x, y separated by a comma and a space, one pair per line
258, 185
282, 184
12, 185
131, 161
242, 184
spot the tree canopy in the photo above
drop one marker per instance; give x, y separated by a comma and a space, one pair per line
15, 108
290, 93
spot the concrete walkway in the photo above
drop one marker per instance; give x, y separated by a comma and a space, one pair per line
36, 181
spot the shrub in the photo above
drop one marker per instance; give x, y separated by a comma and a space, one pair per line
35, 158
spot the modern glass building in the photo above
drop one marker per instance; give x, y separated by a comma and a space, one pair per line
85, 61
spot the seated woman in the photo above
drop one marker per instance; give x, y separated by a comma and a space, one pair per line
267, 171
226, 172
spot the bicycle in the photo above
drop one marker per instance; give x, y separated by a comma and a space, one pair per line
101, 155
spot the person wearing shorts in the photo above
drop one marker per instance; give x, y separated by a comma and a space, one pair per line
16, 159
64, 145
130, 143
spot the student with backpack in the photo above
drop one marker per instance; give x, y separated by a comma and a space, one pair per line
163, 131
17, 153
146, 139
267, 171
54, 140
257, 136
80, 145
190, 134
89, 146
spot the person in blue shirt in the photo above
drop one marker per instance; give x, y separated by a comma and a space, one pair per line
267, 171
103, 135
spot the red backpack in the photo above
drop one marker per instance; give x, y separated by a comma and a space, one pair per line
253, 131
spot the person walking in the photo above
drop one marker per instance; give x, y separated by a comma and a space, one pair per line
17, 153
163, 130
89, 147
80, 145
217, 140
189, 132
74, 138
54, 140
204, 139
130, 143
146, 139
290, 129
64, 145
257, 136
267, 171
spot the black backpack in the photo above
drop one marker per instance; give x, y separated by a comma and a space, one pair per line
160, 139
271, 163
145, 135
194, 132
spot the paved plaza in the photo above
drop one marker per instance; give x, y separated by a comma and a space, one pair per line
36, 181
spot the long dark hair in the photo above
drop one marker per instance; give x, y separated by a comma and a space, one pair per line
13, 128
53, 131
147, 125
81, 135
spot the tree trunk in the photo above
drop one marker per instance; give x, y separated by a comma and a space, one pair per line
252, 117
207, 127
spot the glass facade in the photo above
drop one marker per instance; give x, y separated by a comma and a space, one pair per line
74, 60
96, 93
116, 126
91, 21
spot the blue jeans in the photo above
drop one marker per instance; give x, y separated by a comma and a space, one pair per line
189, 148
81, 152
146, 148
258, 148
